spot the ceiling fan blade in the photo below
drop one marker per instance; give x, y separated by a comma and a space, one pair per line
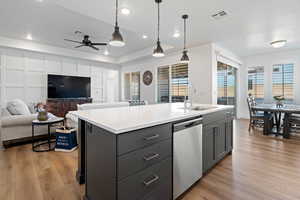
73, 41
79, 46
100, 44
94, 47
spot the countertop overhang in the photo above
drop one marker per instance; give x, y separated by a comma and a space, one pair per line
124, 119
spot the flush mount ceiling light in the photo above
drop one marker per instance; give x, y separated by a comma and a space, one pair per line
144, 36
185, 57
29, 36
278, 43
117, 39
219, 15
158, 51
125, 11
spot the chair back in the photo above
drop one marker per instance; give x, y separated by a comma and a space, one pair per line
251, 102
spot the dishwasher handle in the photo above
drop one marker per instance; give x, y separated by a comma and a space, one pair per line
187, 124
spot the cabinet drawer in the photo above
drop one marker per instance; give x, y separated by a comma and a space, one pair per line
142, 184
162, 193
137, 139
135, 161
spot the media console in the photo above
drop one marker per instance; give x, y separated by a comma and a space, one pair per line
61, 106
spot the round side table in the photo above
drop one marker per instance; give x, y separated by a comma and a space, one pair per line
49, 123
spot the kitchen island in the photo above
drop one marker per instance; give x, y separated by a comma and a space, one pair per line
127, 153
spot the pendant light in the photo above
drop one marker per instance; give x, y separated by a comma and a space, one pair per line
117, 39
185, 57
158, 51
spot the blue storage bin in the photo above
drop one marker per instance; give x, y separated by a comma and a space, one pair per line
66, 139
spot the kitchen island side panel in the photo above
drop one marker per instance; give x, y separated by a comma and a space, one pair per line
101, 164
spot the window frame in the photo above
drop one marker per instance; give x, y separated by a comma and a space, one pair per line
131, 89
283, 81
170, 83
259, 71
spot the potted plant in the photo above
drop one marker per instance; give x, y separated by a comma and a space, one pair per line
279, 100
41, 109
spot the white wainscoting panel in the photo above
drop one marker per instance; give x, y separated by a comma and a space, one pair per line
14, 60
53, 66
23, 75
84, 70
69, 67
15, 77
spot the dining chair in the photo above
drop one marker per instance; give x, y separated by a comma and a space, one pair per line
256, 118
294, 123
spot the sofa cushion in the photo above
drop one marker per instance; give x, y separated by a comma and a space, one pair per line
18, 107
5, 113
18, 120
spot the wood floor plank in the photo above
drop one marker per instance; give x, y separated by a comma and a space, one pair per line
260, 168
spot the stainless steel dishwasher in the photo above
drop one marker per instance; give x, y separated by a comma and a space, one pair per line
187, 160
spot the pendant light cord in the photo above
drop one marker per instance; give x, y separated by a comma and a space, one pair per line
117, 9
184, 34
158, 23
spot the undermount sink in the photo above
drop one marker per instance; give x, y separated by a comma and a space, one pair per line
203, 107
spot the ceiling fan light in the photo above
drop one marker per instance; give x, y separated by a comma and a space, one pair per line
117, 39
158, 51
278, 43
185, 58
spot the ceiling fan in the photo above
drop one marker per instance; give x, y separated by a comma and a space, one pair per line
86, 42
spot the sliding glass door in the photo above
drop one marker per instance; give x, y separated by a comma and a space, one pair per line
226, 77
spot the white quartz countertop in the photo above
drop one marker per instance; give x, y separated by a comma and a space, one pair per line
123, 119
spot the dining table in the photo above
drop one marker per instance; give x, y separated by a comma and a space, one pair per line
279, 112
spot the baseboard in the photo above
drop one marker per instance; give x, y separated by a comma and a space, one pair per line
22, 141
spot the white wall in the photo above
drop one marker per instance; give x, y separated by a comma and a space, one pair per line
199, 69
24, 75
202, 71
268, 60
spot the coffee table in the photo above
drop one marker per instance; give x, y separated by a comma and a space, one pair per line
50, 122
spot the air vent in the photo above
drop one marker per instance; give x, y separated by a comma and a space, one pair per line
219, 15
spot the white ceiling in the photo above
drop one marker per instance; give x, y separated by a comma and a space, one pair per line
249, 28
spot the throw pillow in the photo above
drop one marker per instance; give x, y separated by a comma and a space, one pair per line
18, 107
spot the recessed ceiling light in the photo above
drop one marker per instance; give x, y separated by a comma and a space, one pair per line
106, 52
125, 11
176, 34
29, 36
278, 43
39, 0
145, 36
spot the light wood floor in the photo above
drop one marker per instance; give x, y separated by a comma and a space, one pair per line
260, 168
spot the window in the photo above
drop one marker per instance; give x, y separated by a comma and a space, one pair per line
283, 81
226, 78
179, 82
172, 83
132, 86
163, 84
256, 83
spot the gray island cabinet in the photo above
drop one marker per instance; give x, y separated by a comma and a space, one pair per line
134, 160
217, 137
130, 166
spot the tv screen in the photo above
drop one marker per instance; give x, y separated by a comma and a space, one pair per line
68, 86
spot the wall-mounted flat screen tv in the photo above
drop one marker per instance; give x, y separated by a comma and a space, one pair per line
68, 86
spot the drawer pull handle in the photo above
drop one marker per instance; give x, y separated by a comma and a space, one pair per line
153, 180
151, 157
152, 137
